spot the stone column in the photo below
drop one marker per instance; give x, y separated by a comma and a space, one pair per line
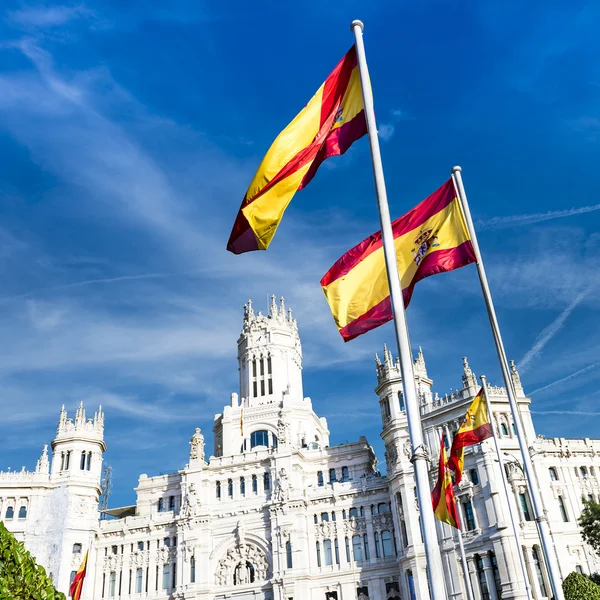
473, 578
489, 576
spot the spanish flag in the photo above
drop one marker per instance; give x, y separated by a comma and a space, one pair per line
327, 126
474, 429
77, 585
431, 238
442, 497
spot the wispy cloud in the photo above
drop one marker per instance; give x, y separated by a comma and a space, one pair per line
47, 16
564, 379
574, 413
549, 332
522, 220
386, 131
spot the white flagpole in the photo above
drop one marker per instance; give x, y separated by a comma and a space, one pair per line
419, 450
461, 545
534, 490
513, 516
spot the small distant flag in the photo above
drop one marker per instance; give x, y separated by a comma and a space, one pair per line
327, 126
77, 585
432, 238
475, 428
442, 497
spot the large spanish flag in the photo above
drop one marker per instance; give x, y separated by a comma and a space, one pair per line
326, 126
431, 238
474, 429
77, 585
442, 497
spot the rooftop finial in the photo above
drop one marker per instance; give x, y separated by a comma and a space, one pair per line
377, 359
42, 465
273, 307
250, 309
282, 307
420, 366
516, 378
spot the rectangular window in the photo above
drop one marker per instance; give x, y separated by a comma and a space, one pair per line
366, 543
174, 576
262, 387
337, 551
112, 584
347, 550
357, 548
254, 484
525, 507
147, 577
318, 554
262, 367
270, 386
166, 577
563, 509
130, 578
141, 546
332, 476
469, 515
269, 371
193, 569
138, 581
319, 478
267, 482
538, 569
254, 368
345, 474
242, 486
230, 488
255, 389
327, 552
288, 548
377, 546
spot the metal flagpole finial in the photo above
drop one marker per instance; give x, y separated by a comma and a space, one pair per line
355, 23
456, 169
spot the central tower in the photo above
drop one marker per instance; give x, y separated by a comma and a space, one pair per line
269, 356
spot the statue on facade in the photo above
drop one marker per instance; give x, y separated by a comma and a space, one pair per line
282, 491
197, 445
283, 432
191, 502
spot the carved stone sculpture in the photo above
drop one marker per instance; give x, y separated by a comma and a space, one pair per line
197, 445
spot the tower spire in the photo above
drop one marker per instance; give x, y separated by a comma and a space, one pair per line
516, 378
469, 379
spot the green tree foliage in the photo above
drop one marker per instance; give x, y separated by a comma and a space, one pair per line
578, 587
20, 577
589, 521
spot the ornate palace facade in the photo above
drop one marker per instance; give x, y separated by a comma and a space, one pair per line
276, 513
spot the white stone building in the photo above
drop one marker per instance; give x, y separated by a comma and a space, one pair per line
277, 513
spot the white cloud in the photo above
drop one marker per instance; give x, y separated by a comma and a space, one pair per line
386, 131
521, 220
41, 16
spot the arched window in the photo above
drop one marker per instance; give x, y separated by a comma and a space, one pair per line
23, 512
320, 478
89, 461
82, 461
167, 542
67, 460
354, 513
366, 543
160, 505
357, 548
373, 509
503, 428
404, 533
347, 541
193, 569
362, 511
218, 489
345, 474
316, 519
377, 546
385, 409
318, 554
72, 576
583, 471
288, 551
563, 509
77, 548
10, 512
344, 515
267, 482
383, 507
514, 429
337, 551
242, 486
496, 573
332, 476
230, 488
171, 502
401, 401
469, 515
327, 552
386, 542
324, 517
474, 476
553, 474
263, 438
62, 461
254, 484
333, 517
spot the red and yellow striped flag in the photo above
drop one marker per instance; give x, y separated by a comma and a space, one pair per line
327, 126
442, 497
77, 585
474, 429
431, 238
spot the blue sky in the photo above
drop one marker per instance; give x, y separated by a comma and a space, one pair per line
129, 132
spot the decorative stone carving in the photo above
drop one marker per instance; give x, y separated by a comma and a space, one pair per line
282, 490
197, 445
407, 449
391, 454
243, 564
283, 432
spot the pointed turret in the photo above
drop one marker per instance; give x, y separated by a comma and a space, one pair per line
80, 415
469, 379
62, 420
420, 367
43, 464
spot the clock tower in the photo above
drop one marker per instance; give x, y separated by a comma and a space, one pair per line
269, 356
